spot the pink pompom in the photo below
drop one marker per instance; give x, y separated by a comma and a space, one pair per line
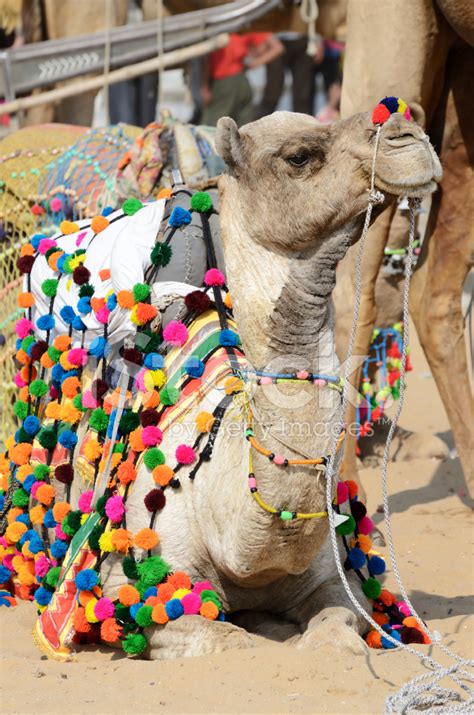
342, 493
365, 525
201, 586
35, 486
102, 315
151, 436
19, 381
140, 380
55, 204
88, 400
45, 244
60, 533
403, 608
23, 327
104, 608
214, 277
53, 393
42, 566
175, 333
7, 560
407, 113
191, 603
77, 357
114, 508
185, 454
85, 501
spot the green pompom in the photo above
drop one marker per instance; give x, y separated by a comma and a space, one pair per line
86, 291
94, 537
50, 287
347, 527
53, 353
52, 577
98, 420
47, 438
119, 447
129, 567
131, 206
22, 436
148, 341
201, 202
72, 522
128, 422
143, 616
141, 587
100, 505
20, 409
208, 595
169, 395
153, 457
42, 472
67, 268
38, 388
122, 612
77, 402
26, 342
161, 254
134, 644
140, 291
372, 588
153, 570
20, 498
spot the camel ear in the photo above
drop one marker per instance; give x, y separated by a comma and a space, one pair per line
229, 143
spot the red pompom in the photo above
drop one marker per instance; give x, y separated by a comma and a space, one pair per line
149, 417
99, 388
380, 114
25, 264
353, 488
81, 275
132, 355
197, 301
64, 473
38, 349
155, 500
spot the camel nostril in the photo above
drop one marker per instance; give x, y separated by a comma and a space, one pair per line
401, 140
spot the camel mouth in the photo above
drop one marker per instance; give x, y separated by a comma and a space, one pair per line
406, 188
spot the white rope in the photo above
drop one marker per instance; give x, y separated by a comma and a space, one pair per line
421, 691
309, 12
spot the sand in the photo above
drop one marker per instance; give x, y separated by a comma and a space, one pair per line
432, 525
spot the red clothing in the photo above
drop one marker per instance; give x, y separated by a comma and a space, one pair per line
230, 59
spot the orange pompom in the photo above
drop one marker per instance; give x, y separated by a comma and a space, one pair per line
209, 610
22, 357
28, 373
27, 250
98, 223
162, 474
122, 540
126, 473
20, 453
145, 312
146, 539
104, 274
110, 631
411, 622
60, 510
159, 615
26, 578
53, 260
125, 299
373, 639
15, 531
70, 386
22, 472
232, 384
24, 592
53, 410
179, 579
24, 394
45, 494
387, 598
228, 301
204, 421
165, 591
68, 227
37, 514
80, 622
165, 194
26, 300
380, 618
18, 562
62, 342
352, 487
151, 400
69, 413
128, 595
92, 450
135, 440
364, 543
97, 304
46, 362
13, 513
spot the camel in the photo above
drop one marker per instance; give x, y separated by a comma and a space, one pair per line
292, 203
424, 54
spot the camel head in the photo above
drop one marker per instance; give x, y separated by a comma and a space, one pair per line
295, 181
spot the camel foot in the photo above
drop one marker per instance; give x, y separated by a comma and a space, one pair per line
337, 627
190, 636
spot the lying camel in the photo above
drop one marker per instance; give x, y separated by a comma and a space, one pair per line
292, 203
430, 68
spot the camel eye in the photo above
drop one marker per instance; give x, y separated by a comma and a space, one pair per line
298, 159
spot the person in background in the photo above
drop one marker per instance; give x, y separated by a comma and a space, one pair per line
331, 70
225, 89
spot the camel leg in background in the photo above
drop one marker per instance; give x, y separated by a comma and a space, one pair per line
438, 282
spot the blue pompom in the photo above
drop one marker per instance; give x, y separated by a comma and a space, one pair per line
45, 322
35, 240
86, 580
152, 591
376, 565
57, 372
180, 217
154, 361
356, 558
67, 314
49, 521
97, 347
2, 502
112, 302
23, 518
228, 338
107, 211
27, 536
77, 324
391, 103
194, 367
58, 549
28, 482
69, 373
43, 596
68, 439
84, 305
4, 574
31, 424
174, 608
60, 262
18, 343
135, 608
387, 644
36, 545
221, 616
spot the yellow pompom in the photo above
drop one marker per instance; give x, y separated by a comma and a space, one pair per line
154, 378
232, 384
204, 421
15, 531
105, 542
181, 592
90, 615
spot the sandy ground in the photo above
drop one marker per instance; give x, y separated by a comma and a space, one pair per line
433, 531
